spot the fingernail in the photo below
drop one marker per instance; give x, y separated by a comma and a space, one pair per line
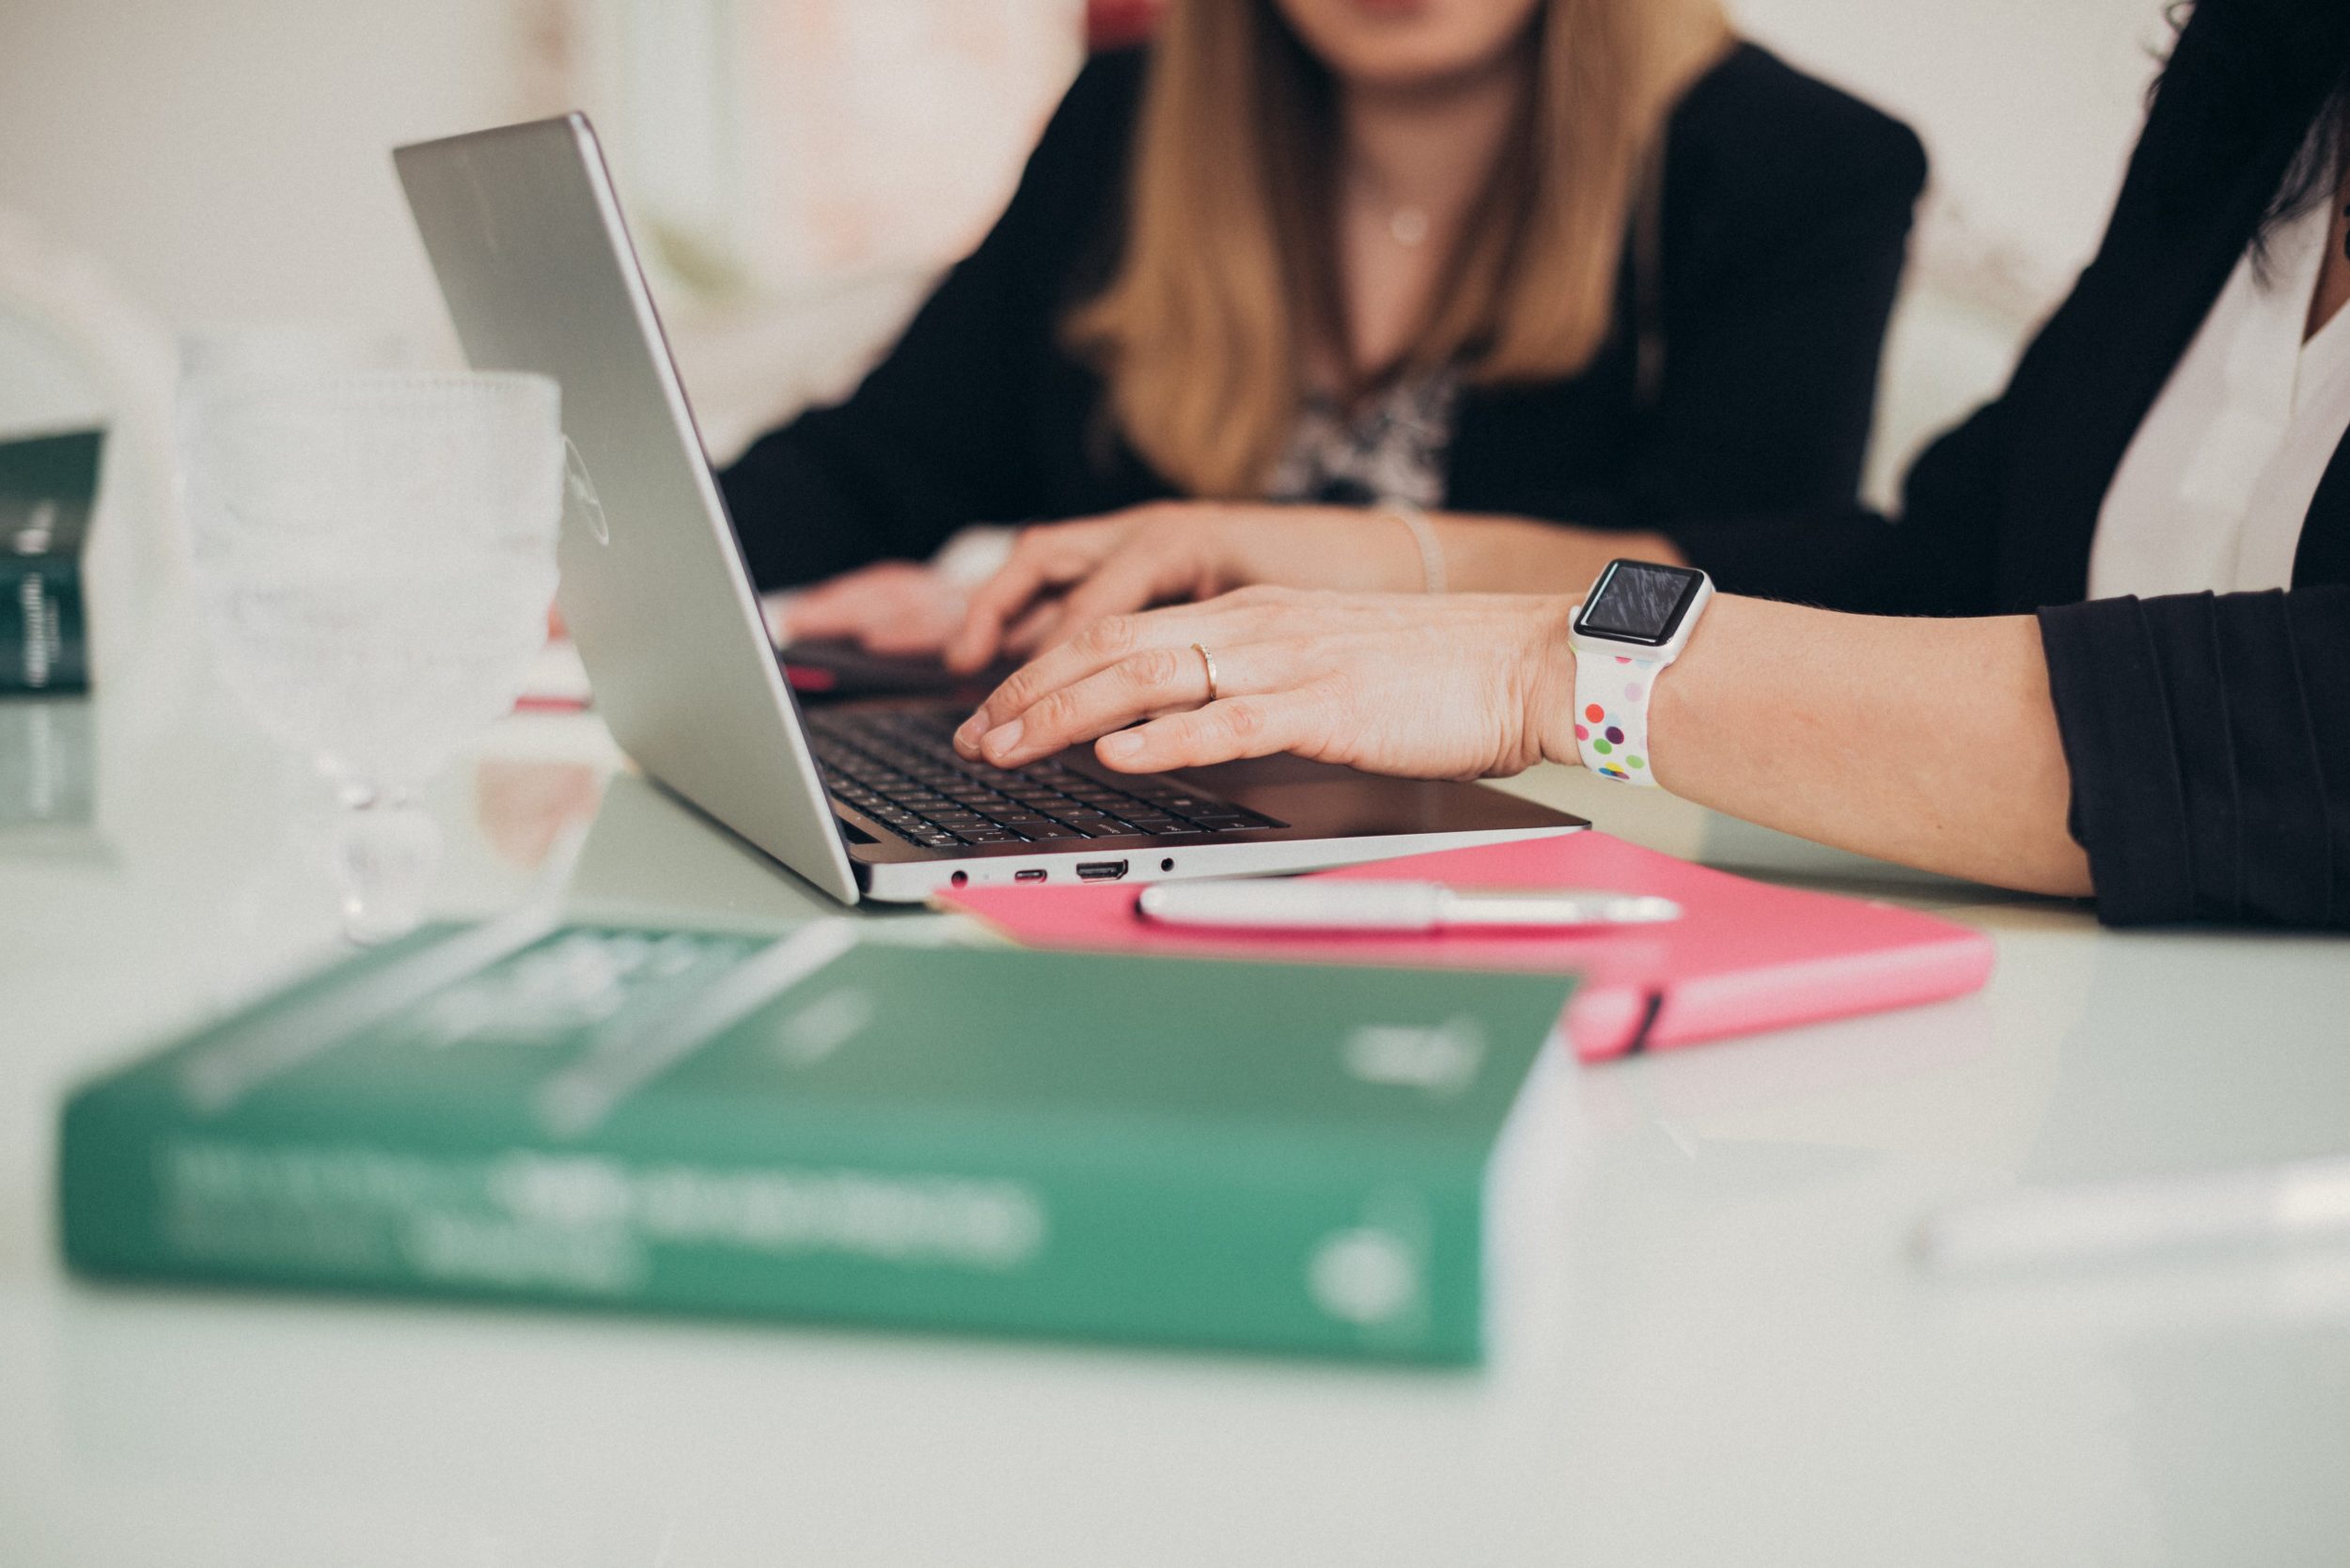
1124, 746
1003, 740
967, 732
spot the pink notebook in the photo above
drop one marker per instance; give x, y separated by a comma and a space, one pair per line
1745, 955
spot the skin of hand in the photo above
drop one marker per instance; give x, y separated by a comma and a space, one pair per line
1063, 578
893, 607
1464, 687
1931, 742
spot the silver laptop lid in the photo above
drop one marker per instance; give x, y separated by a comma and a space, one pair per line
525, 236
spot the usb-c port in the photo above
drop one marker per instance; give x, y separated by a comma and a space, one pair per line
1034, 875
1100, 871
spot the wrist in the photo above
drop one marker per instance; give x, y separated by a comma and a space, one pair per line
1426, 549
1226, 552
1550, 714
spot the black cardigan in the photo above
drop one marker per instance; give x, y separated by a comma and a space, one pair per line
1785, 209
2208, 736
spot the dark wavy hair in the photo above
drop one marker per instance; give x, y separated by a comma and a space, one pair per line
2256, 66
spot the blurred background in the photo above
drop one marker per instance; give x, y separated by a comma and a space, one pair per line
798, 170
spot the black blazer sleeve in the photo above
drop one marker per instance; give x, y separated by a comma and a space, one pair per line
2209, 742
834, 488
1937, 560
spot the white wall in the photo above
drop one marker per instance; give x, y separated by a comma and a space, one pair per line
2028, 108
226, 158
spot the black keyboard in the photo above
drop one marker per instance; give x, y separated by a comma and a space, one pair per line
900, 767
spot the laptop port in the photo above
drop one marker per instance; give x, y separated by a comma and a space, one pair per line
1035, 875
1100, 871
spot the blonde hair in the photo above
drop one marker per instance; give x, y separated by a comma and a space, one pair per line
1229, 275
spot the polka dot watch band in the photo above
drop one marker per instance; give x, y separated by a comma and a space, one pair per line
1611, 693
1634, 621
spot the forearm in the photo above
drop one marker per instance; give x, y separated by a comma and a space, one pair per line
1928, 742
1516, 555
1372, 550
1932, 743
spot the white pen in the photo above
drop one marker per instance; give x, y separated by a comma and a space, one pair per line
1333, 903
2299, 1201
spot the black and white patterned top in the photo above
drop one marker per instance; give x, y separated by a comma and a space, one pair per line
1391, 449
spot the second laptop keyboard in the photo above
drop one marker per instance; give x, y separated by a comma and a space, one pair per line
900, 767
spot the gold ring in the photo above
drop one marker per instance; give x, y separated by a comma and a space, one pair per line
1208, 659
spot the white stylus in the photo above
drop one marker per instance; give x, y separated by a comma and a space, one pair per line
1341, 905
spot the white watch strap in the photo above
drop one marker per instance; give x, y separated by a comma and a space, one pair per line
1611, 696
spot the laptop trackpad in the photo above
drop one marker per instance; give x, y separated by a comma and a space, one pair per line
1322, 800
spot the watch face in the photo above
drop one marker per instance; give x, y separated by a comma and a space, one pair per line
1638, 602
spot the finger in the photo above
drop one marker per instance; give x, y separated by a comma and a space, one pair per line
1131, 580
1032, 631
877, 620
1099, 645
827, 622
1225, 731
1016, 585
1145, 684
898, 638
840, 608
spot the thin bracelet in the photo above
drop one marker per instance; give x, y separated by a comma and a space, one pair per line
1425, 535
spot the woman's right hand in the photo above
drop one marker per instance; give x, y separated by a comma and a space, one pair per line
1465, 685
893, 607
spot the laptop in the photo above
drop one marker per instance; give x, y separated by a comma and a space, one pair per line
866, 799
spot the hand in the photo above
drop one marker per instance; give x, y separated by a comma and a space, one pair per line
1062, 577
1461, 686
897, 607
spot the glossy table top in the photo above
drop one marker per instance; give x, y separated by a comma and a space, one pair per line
1743, 1365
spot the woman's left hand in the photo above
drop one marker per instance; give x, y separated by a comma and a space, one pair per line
1062, 577
1459, 686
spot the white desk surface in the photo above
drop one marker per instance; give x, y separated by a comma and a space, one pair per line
1748, 1370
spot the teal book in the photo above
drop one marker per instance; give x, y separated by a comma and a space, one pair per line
814, 1126
47, 486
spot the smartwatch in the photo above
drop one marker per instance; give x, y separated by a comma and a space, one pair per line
1634, 621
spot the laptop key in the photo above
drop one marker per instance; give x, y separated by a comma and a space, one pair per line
899, 769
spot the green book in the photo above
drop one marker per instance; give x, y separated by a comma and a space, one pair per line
1257, 1156
47, 486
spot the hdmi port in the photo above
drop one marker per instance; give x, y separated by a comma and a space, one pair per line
1100, 871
